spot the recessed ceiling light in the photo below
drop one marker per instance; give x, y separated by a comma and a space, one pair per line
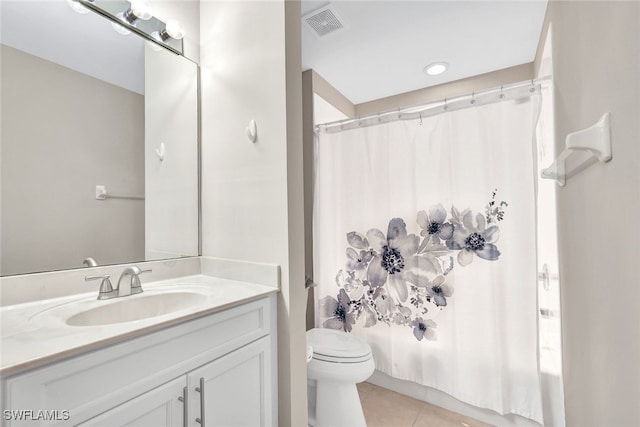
436, 68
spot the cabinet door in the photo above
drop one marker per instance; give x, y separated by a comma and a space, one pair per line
159, 407
234, 390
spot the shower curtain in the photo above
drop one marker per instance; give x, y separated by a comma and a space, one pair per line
424, 245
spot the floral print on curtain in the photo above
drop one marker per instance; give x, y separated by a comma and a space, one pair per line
401, 278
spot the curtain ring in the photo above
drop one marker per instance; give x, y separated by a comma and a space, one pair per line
359, 121
473, 99
501, 92
446, 107
533, 87
420, 120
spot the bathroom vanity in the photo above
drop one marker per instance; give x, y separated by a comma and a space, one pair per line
205, 356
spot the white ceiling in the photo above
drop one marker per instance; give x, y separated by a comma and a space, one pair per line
386, 44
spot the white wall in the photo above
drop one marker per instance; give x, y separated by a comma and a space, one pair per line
596, 61
252, 192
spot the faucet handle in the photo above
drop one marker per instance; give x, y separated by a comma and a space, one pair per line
136, 286
106, 290
91, 278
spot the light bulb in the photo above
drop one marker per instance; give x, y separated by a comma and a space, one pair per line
140, 9
174, 29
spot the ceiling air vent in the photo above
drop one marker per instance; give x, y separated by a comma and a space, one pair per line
323, 21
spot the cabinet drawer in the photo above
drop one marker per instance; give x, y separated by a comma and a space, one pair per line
92, 383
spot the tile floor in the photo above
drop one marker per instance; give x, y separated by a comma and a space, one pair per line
385, 408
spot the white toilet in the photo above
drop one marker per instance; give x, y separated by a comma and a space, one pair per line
339, 361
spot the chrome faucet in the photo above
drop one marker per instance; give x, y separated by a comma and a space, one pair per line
90, 262
134, 285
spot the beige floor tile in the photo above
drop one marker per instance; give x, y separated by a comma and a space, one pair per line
385, 408
434, 416
364, 389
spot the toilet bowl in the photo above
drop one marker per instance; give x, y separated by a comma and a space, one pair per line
339, 361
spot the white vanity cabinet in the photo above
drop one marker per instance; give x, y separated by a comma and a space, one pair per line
231, 390
160, 407
215, 370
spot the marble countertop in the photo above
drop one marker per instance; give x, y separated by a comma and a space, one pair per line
35, 333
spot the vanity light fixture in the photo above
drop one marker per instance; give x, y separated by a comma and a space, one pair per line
135, 16
173, 30
436, 68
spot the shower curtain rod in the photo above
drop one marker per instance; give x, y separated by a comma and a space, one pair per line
512, 91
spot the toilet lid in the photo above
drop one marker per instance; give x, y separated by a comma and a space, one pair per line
332, 345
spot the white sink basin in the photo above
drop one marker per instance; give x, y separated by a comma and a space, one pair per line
127, 309
155, 302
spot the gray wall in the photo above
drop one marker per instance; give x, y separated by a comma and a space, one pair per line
63, 132
596, 58
477, 83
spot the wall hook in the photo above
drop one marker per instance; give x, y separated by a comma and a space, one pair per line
160, 151
252, 131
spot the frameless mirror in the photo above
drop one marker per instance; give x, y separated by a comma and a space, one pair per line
99, 143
